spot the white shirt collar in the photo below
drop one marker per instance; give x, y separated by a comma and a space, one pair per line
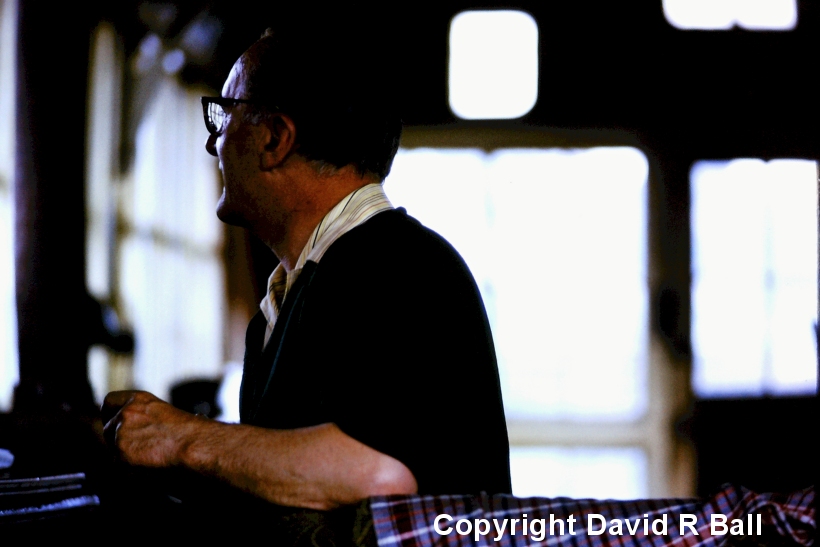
354, 209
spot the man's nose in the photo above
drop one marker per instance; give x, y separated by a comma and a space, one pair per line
210, 145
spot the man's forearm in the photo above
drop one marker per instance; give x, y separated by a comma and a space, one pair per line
317, 467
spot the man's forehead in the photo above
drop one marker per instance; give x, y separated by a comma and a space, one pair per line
241, 71
234, 86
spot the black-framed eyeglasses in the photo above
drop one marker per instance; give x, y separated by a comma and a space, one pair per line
213, 108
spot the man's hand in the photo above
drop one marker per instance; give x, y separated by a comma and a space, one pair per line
318, 467
147, 431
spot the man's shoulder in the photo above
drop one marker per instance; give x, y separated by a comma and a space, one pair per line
393, 237
393, 257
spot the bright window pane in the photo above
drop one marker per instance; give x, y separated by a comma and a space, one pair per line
172, 279
8, 311
600, 473
754, 292
557, 242
493, 64
724, 14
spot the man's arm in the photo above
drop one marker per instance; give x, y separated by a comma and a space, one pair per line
316, 467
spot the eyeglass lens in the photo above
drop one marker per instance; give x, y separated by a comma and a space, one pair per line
216, 116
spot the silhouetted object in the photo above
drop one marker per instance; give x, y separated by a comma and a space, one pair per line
197, 397
49, 207
669, 317
765, 444
103, 327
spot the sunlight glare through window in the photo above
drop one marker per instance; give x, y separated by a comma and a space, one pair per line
754, 290
725, 14
8, 308
600, 473
493, 64
556, 240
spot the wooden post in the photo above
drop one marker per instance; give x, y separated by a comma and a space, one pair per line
52, 72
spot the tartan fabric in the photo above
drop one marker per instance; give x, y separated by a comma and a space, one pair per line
408, 521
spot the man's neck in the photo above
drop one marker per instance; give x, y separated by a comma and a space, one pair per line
320, 193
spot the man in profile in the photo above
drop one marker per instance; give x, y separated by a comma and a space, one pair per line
370, 368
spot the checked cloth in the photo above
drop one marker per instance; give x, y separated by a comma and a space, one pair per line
408, 521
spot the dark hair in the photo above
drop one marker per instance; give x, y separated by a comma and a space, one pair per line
336, 80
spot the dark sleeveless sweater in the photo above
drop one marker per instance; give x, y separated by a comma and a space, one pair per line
387, 337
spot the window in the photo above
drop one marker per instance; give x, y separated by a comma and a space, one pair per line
493, 64
8, 311
154, 241
556, 240
102, 149
725, 14
171, 273
754, 290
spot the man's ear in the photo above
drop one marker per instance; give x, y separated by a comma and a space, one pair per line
280, 141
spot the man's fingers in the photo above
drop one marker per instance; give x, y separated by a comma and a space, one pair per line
110, 430
116, 400
143, 430
113, 402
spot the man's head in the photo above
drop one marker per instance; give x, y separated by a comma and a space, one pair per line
336, 83
317, 90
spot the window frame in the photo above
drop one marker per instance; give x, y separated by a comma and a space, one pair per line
670, 462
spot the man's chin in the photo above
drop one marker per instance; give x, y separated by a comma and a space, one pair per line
230, 217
